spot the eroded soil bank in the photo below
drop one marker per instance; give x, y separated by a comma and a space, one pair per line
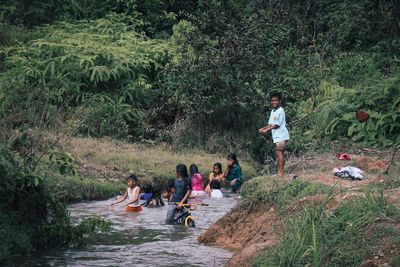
249, 231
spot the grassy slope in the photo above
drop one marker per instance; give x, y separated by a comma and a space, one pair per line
318, 219
144, 160
104, 163
346, 224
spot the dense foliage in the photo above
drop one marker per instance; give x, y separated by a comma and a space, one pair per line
190, 72
200, 72
30, 216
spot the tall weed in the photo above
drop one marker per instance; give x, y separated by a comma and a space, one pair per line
339, 238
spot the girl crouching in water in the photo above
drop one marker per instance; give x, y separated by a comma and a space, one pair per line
132, 193
214, 181
197, 182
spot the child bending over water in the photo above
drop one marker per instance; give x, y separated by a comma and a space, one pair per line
132, 193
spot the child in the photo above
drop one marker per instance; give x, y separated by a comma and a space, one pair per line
233, 173
147, 194
152, 194
214, 181
277, 126
197, 181
132, 193
182, 188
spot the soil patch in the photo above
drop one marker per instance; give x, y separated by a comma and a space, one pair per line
245, 232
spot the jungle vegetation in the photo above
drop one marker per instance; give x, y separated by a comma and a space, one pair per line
190, 73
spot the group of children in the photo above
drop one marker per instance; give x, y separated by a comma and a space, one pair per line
186, 186
178, 191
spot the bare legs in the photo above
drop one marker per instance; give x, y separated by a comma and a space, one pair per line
281, 161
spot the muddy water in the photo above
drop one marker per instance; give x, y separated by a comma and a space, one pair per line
141, 239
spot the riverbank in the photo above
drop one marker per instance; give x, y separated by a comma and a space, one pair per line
103, 164
42, 173
317, 219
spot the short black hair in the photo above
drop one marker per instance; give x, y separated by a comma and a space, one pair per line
275, 94
132, 177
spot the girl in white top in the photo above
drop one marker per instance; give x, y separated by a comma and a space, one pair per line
132, 193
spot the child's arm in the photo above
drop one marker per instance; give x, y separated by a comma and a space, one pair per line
210, 178
137, 190
121, 199
219, 177
267, 128
187, 195
227, 171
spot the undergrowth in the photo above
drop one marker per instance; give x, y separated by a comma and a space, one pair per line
68, 189
31, 215
345, 237
264, 189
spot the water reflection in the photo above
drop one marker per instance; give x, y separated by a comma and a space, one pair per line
141, 239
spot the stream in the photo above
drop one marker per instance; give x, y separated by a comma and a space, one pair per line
140, 239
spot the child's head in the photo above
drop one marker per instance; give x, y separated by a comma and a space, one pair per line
275, 99
181, 170
232, 159
217, 168
132, 180
193, 169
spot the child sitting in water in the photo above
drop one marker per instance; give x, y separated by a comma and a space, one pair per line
152, 194
132, 193
197, 181
214, 181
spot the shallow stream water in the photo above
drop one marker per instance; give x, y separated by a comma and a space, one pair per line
141, 239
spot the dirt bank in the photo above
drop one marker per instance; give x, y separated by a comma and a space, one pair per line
244, 231
250, 232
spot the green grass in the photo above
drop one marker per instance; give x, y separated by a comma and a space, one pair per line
265, 189
345, 237
69, 189
148, 161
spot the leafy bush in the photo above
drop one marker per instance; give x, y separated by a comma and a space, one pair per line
30, 217
338, 107
75, 63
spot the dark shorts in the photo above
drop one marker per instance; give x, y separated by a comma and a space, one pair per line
281, 146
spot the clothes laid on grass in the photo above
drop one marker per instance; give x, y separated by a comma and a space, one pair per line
349, 172
278, 117
344, 156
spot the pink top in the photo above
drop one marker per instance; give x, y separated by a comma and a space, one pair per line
197, 182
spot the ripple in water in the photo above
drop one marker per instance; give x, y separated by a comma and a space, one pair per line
142, 239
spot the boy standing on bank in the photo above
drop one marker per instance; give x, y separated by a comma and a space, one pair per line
277, 126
